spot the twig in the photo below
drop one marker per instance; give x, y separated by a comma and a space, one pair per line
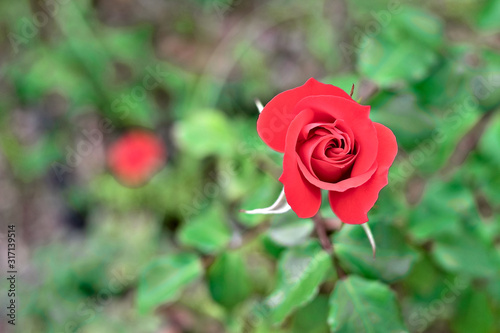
319, 223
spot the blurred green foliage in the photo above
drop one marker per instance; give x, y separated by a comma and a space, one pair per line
176, 255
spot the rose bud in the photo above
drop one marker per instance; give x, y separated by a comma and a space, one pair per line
136, 157
329, 143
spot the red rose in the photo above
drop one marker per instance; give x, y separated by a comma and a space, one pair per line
330, 143
135, 157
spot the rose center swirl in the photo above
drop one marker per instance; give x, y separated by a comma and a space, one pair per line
328, 150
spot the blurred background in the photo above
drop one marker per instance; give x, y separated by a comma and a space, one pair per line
128, 147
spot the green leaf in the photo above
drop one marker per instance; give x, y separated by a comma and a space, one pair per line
485, 80
163, 279
386, 62
411, 38
272, 249
394, 257
421, 25
448, 83
289, 230
474, 314
488, 18
447, 215
463, 253
204, 133
483, 165
468, 79
207, 232
431, 295
300, 272
488, 146
228, 279
403, 116
364, 306
424, 279
128, 45
312, 318
442, 208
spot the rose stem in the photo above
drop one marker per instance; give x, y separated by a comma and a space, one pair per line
319, 225
327, 245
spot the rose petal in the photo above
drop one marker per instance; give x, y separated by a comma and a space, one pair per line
340, 186
353, 205
347, 134
339, 155
329, 172
324, 169
320, 149
306, 150
277, 115
302, 196
324, 117
356, 117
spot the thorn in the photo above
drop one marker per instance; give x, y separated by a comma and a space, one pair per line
369, 234
352, 90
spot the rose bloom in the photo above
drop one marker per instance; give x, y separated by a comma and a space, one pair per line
329, 143
136, 157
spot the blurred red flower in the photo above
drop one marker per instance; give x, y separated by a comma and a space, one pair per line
136, 157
